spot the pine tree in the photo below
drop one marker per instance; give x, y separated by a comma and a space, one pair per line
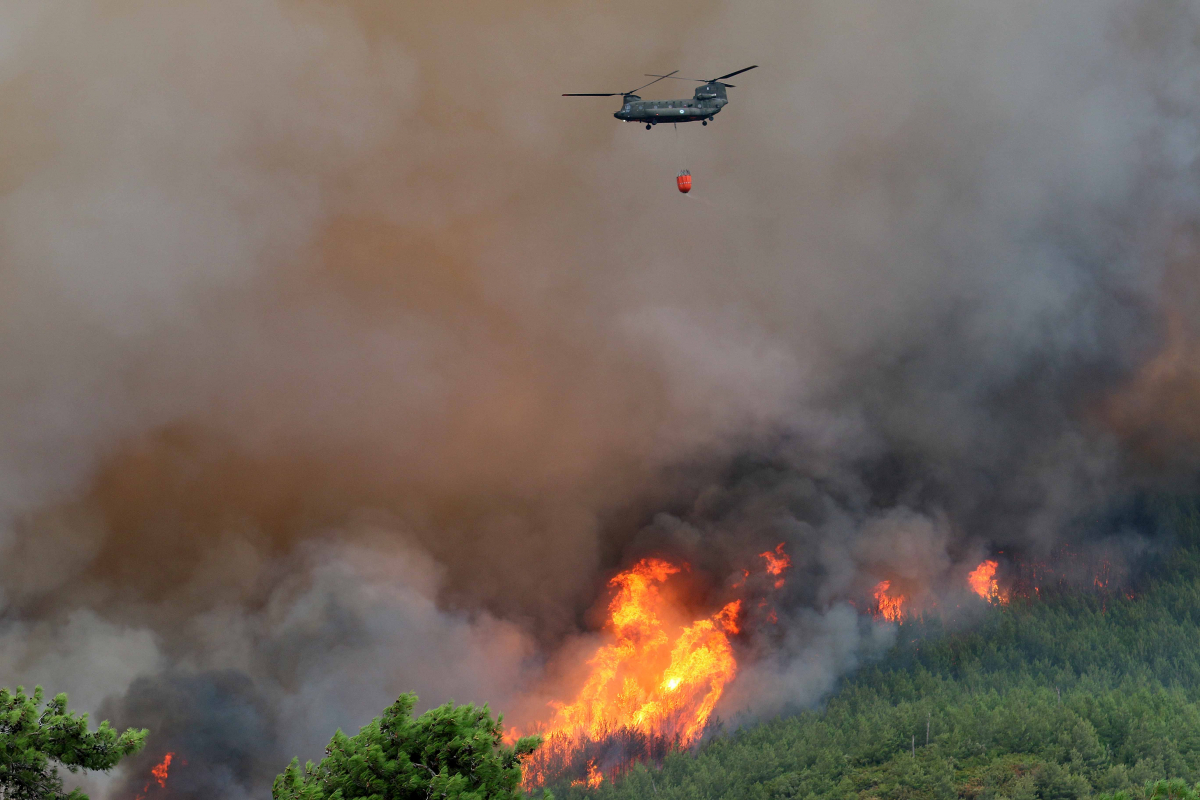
34, 743
1176, 789
456, 753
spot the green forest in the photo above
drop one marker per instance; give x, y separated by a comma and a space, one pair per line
1079, 695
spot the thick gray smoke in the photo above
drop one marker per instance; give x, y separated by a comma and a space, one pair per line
343, 357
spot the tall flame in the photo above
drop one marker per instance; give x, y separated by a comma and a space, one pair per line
891, 607
983, 582
653, 679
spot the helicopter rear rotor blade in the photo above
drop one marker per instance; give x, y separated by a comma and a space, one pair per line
703, 80
730, 75
593, 94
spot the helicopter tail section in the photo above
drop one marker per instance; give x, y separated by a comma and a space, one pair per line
712, 94
711, 91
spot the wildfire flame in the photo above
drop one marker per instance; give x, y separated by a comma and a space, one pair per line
777, 562
594, 776
983, 582
158, 775
160, 771
654, 679
1025, 579
891, 607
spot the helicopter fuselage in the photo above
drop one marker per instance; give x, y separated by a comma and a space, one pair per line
704, 105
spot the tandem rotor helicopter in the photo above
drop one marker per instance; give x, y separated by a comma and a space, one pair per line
705, 104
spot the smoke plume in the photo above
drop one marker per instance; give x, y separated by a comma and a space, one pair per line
343, 357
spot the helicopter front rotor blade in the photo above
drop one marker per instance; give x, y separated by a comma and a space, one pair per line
593, 94
730, 75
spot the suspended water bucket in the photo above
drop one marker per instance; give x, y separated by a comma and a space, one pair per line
684, 181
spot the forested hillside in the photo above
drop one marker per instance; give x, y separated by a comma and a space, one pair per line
1078, 695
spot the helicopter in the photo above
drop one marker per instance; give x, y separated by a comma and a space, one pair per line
705, 104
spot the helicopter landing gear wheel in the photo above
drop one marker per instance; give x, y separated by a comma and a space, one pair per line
648, 126
703, 122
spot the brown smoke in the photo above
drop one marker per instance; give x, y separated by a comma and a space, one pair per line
335, 338
1158, 412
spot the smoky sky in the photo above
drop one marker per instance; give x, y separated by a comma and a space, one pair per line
341, 356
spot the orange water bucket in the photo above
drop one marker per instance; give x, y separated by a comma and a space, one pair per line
684, 181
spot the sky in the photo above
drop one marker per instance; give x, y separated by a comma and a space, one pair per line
342, 356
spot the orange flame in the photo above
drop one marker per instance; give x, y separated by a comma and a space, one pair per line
653, 678
891, 607
777, 563
594, 777
159, 775
983, 582
160, 772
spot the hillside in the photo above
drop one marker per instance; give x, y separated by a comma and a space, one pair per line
1075, 696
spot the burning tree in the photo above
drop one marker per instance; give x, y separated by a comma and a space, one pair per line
446, 752
33, 743
889, 603
651, 689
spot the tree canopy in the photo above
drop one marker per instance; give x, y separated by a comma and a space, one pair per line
448, 752
34, 743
